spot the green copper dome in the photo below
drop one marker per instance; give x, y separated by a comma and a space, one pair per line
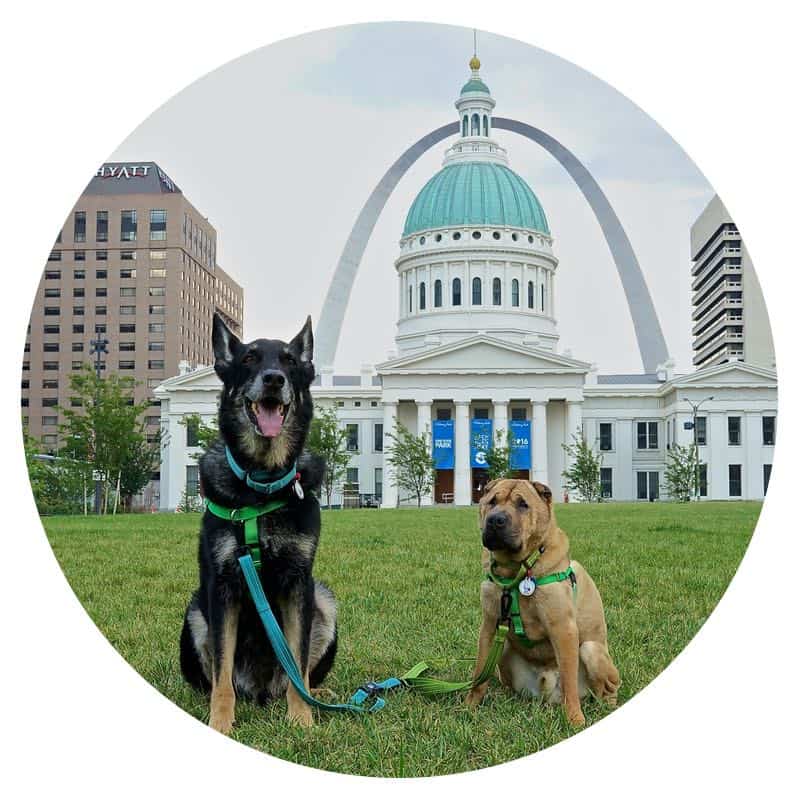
475, 193
475, 85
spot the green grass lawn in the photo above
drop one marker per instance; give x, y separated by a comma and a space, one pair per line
407, 585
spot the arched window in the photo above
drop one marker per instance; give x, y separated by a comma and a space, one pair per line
456, 291
437, 294
422, 297
476, 125
410, 299
542, 297
476, 292
515, 293
465, 125
497, 292
485, 125
530, 294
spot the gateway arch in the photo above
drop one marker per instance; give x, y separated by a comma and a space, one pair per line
652, 347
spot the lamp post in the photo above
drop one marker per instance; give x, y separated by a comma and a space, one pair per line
695, 407
99, 346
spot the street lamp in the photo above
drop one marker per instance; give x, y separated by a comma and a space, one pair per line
695, 407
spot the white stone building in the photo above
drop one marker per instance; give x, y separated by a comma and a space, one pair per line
477, 352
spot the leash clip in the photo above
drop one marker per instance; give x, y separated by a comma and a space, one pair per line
371, 689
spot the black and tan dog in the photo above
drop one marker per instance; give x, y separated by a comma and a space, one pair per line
564, 651
264, 416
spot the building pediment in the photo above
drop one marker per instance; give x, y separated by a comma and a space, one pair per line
736, 373
202, 379
482, 355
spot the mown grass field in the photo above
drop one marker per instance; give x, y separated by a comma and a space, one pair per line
407, 586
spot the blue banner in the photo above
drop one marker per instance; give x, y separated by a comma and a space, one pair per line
520, 456
443, 450
480, 441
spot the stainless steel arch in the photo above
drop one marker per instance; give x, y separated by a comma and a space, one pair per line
652, 347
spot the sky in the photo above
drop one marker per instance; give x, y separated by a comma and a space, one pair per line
281, 148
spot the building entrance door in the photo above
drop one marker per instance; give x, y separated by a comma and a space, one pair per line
480, 477
443, 486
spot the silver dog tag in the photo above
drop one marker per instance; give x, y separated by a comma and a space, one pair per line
298, 490
527, 586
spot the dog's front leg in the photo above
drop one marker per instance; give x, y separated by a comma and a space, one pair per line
563, 635
223, 629
485, 639
297, 631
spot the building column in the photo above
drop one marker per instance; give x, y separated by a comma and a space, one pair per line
500, 422
574, 428
424, 426
539, 441
752, 463
389, 486
462, 477
717, 469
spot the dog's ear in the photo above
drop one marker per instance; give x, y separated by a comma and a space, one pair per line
225, 344
489, 486
302, 346
543, 492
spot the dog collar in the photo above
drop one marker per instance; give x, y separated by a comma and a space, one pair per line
258, 479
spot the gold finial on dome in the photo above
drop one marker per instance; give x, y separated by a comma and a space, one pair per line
475, 63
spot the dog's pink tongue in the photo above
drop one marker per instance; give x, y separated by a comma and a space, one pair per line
269, 420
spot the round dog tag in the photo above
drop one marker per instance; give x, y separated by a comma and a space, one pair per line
527, 586
298, 490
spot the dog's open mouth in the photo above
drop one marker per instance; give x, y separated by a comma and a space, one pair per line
267, 416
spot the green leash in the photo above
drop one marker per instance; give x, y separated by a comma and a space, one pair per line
509, 612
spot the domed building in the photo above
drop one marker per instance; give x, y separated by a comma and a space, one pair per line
477, 357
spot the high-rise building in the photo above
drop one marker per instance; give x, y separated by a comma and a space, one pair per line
135, 263
729, 316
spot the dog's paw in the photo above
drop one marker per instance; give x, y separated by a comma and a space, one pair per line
302, 716
575, 717
222, 721
474, 698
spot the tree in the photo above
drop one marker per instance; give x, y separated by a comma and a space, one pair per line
498, 456
582, 474
411, 461
328, 440
204, 433
104, 427
681, 469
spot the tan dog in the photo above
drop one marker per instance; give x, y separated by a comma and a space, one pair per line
569, 656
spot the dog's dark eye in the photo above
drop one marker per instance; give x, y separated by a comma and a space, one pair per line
289, 359
492, 501
521, 504
249, 358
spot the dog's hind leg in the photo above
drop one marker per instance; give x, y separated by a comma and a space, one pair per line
324, 638
223, 629
194, 648
602, 675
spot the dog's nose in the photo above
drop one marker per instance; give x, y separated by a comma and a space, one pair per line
273, 379
497, 520
495, 530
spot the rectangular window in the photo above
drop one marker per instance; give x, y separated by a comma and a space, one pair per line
653, 485
50, 439
378, 439
79, 231
127, 365
352, 477
26, 384
77, 347
647, 485
78, 311
77, 328
192, 480
50, 420
159, 272
702, 473
127, 347
52, 311
50, 347
101, 255
52, 292
49, 402
767, 476
50, 383
158, 255
80, 255
127, 273
100, 311
101, 291
641, 486
153, 420
702, 431
77, 364
768, 430
157, 310
518, 414
156, 327
734, 430
127, 227
735, 480
52, 328
158, 291
606, 482
101, 274
127, 327
443, 413
378, 484
55, 255
158, 224
155, 364
605, 436
79, 274
100, 328
128, 311
192, 430
155, 346
101, 226
26, 365
127, 291
52, 274
352, 436
647, 435
79, 291
127, 255
481, 413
